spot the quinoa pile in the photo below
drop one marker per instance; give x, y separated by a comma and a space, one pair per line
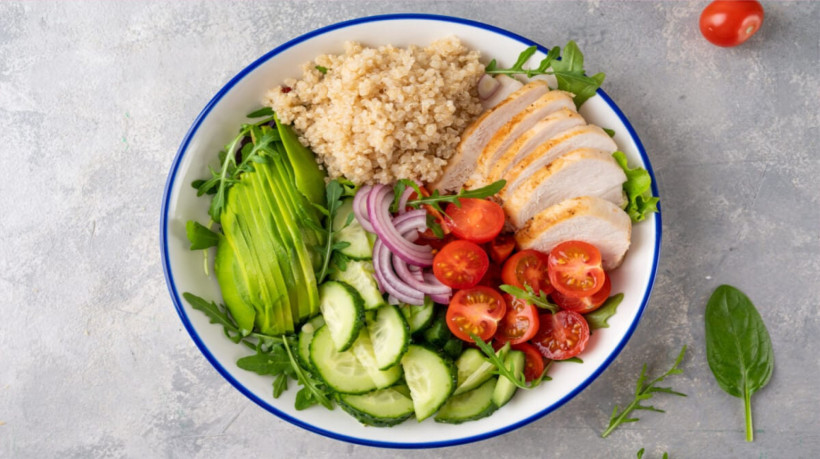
380, 114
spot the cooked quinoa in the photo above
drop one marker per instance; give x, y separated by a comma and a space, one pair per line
380, 114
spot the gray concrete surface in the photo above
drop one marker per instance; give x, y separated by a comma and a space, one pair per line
96, 96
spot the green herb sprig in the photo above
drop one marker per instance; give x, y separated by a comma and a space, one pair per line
738, 347
540, 299
497, 359
641, 451
644, 391
262, 138
568, 70
335, 191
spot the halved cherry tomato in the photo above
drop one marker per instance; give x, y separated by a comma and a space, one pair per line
561, 335
501, 247
584, 304
460, 264
475, 311
534, 361
476, 220
519, 324
730, 23
528, 267
575, 268
492, 278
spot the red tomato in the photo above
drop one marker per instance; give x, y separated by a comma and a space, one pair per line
492, 278
427, 237
528, 267
475, 311
575, 269
562, 335
501, 247
730, 23
477, 220
460, 264
534, 361
584, 304
519, 324
445, 228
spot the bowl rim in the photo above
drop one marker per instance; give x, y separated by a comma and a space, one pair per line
169, 278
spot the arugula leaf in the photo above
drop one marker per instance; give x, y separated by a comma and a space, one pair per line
497, 359
274, 362
218, 315
334, 192
529, 296
311, 388
573, 360
435, 199
638, 190
265, 111
641, 451
609, 132
200, 236
434, 226
568, 71
280, 385
599, 317
738, 347
644, 391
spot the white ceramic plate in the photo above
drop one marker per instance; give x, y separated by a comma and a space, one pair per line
218, 123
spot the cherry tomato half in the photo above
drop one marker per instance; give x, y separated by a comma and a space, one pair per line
534, 361
476, 220
528, 267
501, 247
475, 311
460, 264
575, 269
584, 304
519, 324
562, 335
730, 23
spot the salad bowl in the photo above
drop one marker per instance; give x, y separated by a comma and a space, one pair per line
217, 124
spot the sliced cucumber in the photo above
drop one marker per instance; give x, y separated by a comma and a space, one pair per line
363, 350
504, 389
343, 311
341, 371
430, 377
381, 408
473, 370
359, 275
306, 336
469, 406
418, 317
390, 336
360, 247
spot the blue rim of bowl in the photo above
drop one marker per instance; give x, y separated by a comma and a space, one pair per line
225, 374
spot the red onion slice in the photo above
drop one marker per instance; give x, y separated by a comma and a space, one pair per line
417, 280
378, 209
360, 208
404, 198
391, 283
487, 86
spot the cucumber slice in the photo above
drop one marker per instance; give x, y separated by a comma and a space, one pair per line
469, 406
504, 389
390, 336
306, 336
473, 370
430, 377
359, 275
381, 408
341, 371
360, 247
343, 311
417, 317
363, 350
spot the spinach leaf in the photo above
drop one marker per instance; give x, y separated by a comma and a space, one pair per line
200, 236
738, 347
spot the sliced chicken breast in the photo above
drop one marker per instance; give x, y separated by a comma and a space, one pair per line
519, 124
555, 123
476, 137
590, 219
508, 85
589, 136
582, 172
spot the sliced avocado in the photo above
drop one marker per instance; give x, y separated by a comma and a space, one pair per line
310, 180
231, 282
301, 263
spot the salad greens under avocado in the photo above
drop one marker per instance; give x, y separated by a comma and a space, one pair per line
296, 271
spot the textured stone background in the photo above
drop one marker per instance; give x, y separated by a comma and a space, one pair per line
96, 96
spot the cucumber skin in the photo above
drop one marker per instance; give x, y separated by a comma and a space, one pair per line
504, 389
488, 410
451, 367
316, 371
359, 305
370, 420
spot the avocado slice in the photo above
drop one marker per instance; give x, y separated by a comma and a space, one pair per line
310, 180
233, 285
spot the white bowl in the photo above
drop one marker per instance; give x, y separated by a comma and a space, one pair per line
219, 122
